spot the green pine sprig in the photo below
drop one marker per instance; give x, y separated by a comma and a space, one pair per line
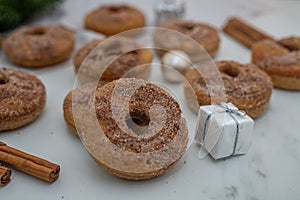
15, 12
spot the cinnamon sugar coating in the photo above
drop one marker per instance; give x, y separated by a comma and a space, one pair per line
140, 103
112, 19
277, 59
38, 46
246, 86
112, 59
281, 60
22, 98
198, 39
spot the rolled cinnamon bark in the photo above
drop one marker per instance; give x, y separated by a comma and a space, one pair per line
4, 175
239, 36
29, 164
243, 32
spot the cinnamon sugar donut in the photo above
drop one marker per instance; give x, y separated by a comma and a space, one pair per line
246, 86
198, 39
138, 131
112, 19
83, 96
292, 43
38, 46
112, 59
281, 60
22, 98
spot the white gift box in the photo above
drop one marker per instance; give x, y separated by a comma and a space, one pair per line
223, 130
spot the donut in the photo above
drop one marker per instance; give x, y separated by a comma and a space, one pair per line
281, 60
133, 129
246, 86
112, 59
83, 95
113, 19
38, 46
292, 43
22, 98
198, 40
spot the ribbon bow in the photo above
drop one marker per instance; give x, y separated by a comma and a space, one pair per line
227, 109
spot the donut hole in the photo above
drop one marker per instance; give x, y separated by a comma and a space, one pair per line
139, 118
114, 9
136, 120
38, 31
188, 26
230, 70
133, 52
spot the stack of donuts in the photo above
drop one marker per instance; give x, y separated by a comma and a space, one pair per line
134, 121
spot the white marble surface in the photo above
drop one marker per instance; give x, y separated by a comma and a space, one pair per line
271, 169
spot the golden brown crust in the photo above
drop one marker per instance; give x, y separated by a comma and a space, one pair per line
205, 35
125, 64
287, 83
38, 46
22, 98
135, 176
79, 97
246, 86
112, 19
279, 59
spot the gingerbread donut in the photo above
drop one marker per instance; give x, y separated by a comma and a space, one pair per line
113, 19
112, 59
281, 60
199, 40
38, 46
83, 96
133, 129
246, 86
22, 98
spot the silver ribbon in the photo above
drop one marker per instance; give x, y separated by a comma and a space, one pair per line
233, 113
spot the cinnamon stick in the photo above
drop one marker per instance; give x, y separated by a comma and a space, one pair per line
29, 164
239, 36
4, 175
243, 32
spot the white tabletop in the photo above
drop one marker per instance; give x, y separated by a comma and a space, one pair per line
270, 170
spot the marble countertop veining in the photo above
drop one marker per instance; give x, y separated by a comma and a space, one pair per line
270, 170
